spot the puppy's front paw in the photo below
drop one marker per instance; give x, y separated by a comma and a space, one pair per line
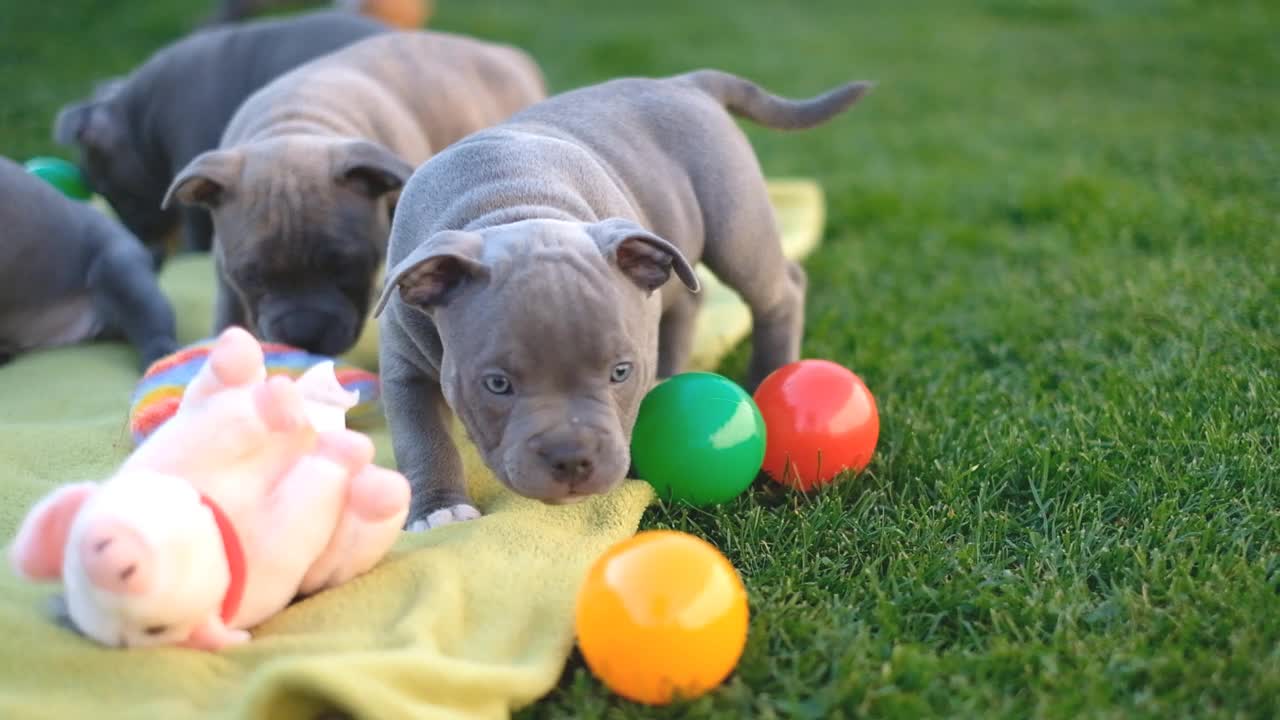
155, 350
445, 516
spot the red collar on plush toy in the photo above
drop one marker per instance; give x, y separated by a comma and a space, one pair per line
235, 559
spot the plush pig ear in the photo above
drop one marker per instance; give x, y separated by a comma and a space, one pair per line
320, 384
642, 256
326, 401
434, 272
205, 180
42, 540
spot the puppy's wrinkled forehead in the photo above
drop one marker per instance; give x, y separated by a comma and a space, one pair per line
291, 215
284, 186
557, 296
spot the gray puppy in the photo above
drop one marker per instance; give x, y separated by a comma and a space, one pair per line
69, 273
302, 187
136, 133
530, 286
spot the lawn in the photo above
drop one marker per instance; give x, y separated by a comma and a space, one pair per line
1053, 253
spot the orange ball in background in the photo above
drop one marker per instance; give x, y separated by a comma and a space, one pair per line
403, 14
820, 420
662, 616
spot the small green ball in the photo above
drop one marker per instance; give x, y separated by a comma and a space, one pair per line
699, 438
61, 174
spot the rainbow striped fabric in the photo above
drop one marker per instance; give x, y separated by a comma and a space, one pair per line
160, 390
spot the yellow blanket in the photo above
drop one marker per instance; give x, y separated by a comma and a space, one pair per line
466, 621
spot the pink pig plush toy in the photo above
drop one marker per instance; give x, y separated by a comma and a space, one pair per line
252, 493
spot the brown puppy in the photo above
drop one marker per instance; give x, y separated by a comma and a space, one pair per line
302, 187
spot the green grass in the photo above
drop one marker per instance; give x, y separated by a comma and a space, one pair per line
1052, 253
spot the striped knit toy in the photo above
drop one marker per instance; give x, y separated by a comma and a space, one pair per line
160, 390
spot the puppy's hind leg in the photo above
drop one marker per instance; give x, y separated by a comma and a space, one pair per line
676, 333
778, 326
747, 256
129, 300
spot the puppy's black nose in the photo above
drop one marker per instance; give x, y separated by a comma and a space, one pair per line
569, 461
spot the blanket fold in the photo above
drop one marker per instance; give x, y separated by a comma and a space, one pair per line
466, 621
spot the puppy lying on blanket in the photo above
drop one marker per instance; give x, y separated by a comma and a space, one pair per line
137, 132
302, 188
69, 273
252, 494
530, 288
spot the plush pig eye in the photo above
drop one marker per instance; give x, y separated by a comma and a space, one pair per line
156, 629
620, 372
497, 384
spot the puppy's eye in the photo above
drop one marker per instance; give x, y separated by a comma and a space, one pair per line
497, 384
156, 629
620, 372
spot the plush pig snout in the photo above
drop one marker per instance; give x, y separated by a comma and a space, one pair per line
115, 558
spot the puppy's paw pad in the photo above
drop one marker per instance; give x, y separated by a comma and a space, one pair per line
445, 516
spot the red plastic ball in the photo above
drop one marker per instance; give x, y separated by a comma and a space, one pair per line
820, 420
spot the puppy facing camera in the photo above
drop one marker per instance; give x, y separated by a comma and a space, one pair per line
542, 278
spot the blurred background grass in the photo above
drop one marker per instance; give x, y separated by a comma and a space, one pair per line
1052, 253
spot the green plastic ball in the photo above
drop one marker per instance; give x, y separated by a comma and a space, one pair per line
61, 174
699, 438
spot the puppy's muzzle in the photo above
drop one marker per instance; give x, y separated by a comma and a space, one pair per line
312, 330
569, 460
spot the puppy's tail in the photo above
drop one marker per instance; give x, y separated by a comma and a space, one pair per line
746, 99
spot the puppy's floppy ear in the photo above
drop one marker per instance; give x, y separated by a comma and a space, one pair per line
38, 550
369, 168
642, 256
71, 122
91, 124
434, 272
205, 180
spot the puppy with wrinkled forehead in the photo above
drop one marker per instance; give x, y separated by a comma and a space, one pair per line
302, 188
542, 276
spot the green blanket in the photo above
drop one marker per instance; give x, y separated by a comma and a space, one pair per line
465, 621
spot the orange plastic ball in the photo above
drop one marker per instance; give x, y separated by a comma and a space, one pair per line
403, 14
662, 616
820, 420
